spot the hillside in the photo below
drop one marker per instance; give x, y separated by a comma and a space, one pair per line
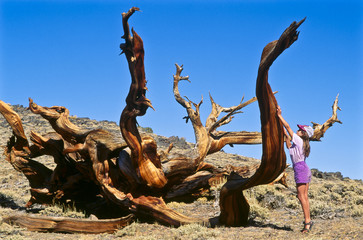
336, 202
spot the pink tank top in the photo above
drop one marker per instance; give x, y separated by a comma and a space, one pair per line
296, 150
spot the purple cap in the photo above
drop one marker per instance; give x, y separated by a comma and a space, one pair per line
309, 130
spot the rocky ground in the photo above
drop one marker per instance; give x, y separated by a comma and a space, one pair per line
336, 202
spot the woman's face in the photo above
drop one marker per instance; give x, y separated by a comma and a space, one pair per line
299, 132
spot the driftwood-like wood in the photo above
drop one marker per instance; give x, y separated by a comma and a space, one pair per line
144, 156
21, 143
87, 153
112, 177
234, 207
66, 182
17, 151
208, 139
58, 117
69, 225
149, 170
320, 129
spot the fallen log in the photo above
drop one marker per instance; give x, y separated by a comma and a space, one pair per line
69, 225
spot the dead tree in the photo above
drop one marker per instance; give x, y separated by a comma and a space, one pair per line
113, 177
130, 180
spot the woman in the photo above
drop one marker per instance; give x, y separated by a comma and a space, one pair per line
299, 147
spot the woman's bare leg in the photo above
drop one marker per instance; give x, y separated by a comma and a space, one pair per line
302, 195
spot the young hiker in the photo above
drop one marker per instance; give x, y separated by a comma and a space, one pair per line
299, 147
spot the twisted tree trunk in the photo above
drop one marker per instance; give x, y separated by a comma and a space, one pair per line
234, 206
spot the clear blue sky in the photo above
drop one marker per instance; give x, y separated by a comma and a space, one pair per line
67, 53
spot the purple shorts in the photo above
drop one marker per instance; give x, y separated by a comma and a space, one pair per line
302, 172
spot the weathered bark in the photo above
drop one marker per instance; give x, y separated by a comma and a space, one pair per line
86, 149
17, 153
155, 209
144, 155
199, 180
69, 225
48, 186
213, 123
208, 139
42, 192
58, 118
220, 139
137, 104
95, 147
282, 179
320, 129
21, 143
234, 207
201, 133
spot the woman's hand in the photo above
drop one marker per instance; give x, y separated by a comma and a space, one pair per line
279, 111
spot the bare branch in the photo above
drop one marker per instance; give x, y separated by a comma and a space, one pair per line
125, 47
14, 121
58, 117
177, 79
221, 139
213, 116
200, 132
320, 129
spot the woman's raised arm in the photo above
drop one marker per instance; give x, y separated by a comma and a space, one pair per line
286, 125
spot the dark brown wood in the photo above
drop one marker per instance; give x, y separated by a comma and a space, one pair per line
144, 157
234, 207
148, 169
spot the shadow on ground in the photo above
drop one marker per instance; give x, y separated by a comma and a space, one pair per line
258, 224
8, 202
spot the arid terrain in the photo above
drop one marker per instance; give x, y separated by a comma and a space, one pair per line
336, 202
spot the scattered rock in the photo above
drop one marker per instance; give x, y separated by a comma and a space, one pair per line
326, 175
